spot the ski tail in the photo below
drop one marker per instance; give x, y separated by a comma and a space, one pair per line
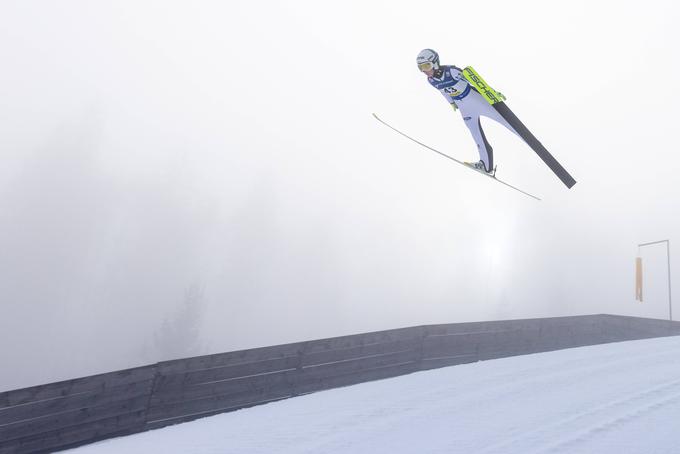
473, 77
533, 142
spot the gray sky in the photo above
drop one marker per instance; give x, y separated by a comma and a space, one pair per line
149, 146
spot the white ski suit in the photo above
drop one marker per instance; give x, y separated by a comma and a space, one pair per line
450, 82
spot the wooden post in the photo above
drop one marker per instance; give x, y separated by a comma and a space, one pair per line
638, 279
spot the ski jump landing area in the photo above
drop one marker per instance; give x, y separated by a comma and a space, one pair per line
75, 412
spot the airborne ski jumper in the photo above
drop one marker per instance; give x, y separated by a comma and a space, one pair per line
467, 92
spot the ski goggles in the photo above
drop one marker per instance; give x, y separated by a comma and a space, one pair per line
426, 66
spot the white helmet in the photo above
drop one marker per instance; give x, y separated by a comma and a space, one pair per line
427, 60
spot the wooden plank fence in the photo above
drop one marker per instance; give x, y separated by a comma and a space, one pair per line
60, 415
48, 417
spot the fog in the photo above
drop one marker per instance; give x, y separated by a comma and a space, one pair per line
181, 178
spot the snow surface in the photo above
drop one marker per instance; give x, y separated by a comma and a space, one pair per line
613, 398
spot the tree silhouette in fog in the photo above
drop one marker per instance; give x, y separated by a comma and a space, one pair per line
180, 336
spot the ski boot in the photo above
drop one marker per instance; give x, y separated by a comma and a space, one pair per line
480, 167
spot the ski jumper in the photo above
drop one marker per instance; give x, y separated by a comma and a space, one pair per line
450, 82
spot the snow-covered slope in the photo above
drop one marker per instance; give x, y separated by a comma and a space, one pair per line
613, 398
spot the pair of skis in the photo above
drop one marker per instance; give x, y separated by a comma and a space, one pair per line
496, 100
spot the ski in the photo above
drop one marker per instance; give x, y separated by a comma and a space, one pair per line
467, 166
473, 77
496, 100
535, 145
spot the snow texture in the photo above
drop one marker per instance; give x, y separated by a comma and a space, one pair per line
613, 398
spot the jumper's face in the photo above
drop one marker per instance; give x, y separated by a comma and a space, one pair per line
427, 68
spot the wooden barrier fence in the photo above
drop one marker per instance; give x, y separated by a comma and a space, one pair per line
61, 415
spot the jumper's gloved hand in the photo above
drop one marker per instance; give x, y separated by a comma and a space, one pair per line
455, 107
